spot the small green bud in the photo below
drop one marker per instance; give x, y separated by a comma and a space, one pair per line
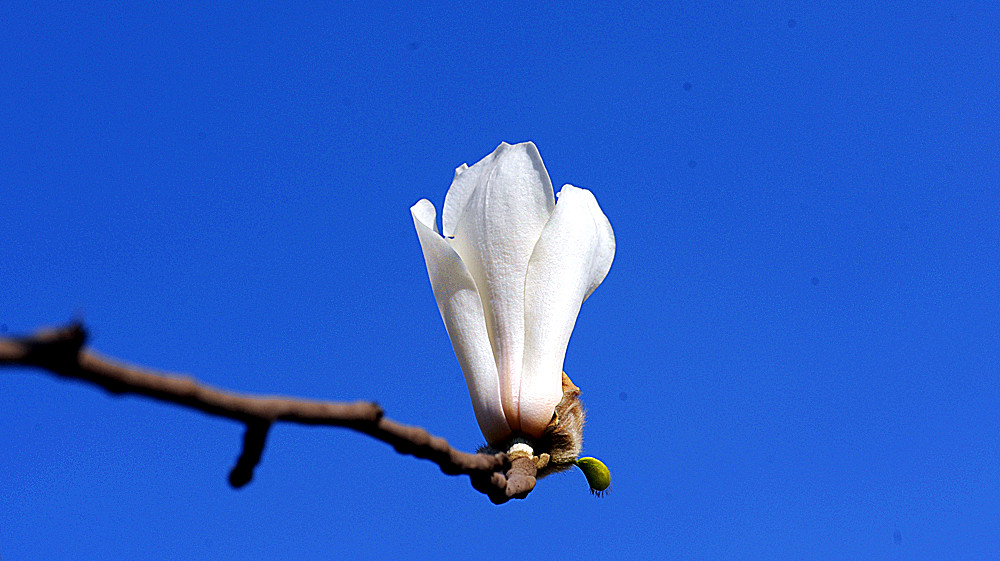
598, 475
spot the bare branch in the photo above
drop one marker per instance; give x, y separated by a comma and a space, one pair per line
61, 352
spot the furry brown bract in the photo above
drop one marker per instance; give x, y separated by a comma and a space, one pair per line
563, 439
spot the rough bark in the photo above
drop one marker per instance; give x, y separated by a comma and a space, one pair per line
61, 351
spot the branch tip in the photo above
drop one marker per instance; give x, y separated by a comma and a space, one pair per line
253, 447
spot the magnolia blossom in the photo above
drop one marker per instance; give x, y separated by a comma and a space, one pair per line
509, 276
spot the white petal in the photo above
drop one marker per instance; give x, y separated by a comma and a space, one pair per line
462, 311
496, 210
461, 189
572, 257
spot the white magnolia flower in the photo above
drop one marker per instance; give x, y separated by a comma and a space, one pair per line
509, 276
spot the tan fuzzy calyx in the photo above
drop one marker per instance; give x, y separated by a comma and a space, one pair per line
563, 439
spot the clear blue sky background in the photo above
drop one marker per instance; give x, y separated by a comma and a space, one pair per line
795, 355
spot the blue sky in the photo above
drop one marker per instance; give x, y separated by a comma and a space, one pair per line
794, 356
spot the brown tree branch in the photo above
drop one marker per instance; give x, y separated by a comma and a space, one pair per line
61, 352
